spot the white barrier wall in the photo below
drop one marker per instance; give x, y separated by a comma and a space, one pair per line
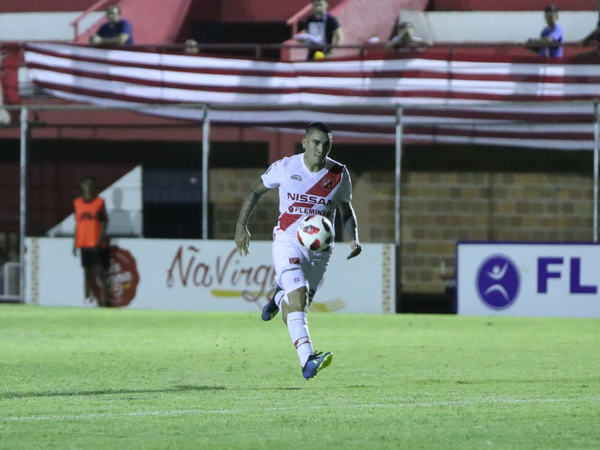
43, 26
554, 280
496, 26
206, 275
123, 202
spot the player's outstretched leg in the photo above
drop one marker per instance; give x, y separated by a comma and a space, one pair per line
316, 362
271, 309
310, 361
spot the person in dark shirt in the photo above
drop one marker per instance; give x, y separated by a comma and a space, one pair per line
322, 30
115, 31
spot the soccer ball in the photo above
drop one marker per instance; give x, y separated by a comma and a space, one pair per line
315, 233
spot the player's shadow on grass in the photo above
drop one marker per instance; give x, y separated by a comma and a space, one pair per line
180, 388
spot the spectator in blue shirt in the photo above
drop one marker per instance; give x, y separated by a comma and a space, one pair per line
552, 33
116, 31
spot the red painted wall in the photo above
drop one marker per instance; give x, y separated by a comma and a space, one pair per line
260, 10
208, 10
200, 10
11, 6
511, 5
225, 10
242, 11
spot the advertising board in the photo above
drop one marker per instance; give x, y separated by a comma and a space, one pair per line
205, 275
528, 279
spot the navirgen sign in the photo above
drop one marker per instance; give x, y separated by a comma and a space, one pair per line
206, 275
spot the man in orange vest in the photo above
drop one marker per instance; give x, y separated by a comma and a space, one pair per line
90, 239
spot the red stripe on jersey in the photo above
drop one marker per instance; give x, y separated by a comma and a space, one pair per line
330, 180
322, 188
286, 219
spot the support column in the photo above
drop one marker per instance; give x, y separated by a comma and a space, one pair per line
596, 155
397, 204
23, 200
205, 171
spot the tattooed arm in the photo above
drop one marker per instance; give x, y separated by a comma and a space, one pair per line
242, 235
350, 228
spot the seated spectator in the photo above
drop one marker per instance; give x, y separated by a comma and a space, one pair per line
405, 38
116, 31
552, 33
191, 46
323, 30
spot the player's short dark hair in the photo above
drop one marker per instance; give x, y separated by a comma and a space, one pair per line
551, 8
320, 126
117, 7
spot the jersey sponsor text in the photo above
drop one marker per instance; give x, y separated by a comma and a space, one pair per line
309, 198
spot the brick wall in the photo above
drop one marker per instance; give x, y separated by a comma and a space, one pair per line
442, 208
438, 209
228, 187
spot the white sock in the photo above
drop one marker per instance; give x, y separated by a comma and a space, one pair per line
298, 328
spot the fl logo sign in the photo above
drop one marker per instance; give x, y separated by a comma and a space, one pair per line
498, 282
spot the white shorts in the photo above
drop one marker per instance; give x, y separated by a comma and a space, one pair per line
297, 267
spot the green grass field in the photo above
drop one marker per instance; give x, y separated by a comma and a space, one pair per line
123, 379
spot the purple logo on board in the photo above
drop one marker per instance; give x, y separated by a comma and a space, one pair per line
498, 282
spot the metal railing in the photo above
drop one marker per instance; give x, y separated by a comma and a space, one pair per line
259, 48
293, 21
95, 7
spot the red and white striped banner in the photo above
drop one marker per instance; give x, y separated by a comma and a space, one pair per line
537, 103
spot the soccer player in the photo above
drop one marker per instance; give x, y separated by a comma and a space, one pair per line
309, 183
90, 239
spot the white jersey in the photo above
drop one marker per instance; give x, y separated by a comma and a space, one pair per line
302, 192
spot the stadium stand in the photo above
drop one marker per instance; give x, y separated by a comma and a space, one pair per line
449, 195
